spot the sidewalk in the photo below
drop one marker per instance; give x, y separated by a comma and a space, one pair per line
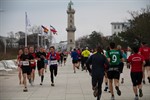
68, 86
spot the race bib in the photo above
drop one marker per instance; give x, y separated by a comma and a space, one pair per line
53, 62
32, 62
25, 63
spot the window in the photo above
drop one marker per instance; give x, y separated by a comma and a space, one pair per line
70, 21
70, 40
70, 16
114, 26
118, 26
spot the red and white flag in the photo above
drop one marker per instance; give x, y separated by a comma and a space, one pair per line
53, 30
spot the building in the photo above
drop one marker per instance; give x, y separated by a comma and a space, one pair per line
118, 27
70, 28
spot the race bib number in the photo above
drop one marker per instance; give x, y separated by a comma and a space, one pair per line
25, 63
54, 62
32, 62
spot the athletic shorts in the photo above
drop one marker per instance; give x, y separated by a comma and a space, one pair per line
40, 65
136, 78
147, 63
26, 69
74, 61
65, 58
33, 67
113, 74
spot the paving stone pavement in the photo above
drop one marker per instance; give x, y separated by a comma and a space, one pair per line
68, 86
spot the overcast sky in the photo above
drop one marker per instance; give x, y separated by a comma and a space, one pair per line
90, 15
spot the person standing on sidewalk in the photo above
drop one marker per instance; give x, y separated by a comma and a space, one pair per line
136, 61
53, 58
19, 65
26, 68
33, 63
114, 57
145, 51
40, 63
98, 62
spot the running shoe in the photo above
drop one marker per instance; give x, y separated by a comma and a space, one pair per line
52, 84
144, 82
95, 93
41, 83
112, 97
148, 79
136, 98
122, 81
25, 89
106, 89
140, 93
118, 91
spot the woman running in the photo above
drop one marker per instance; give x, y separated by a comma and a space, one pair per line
19, 65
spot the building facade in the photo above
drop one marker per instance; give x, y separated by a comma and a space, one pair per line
70, 27
118, 27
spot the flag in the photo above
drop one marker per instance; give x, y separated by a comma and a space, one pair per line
53, 30
27, 21
45, 29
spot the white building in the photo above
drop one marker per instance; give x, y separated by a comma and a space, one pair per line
118, 27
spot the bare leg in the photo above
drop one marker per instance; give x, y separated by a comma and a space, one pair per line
111, 86
19, 74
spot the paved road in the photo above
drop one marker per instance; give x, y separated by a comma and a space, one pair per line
69, 86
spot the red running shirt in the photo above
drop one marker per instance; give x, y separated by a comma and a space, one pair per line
145, 51
33, 64
136, 61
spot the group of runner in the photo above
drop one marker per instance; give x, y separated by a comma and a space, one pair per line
109, 65
102, 65
28, 60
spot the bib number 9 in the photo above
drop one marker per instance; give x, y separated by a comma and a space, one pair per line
114, 58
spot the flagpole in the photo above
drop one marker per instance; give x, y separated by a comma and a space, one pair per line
25, 29
38, 40
42, 39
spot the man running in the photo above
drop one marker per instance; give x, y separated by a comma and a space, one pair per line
53, 58
33, 63
65, 54
86, 53
145, 51
40, 63
74, 56
98, 62
136, 61
26, 69
114, 57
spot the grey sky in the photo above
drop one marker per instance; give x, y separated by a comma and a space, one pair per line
90, 14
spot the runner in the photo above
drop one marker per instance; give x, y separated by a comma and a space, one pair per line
33, 64
19, 65
121, 65
85, 54
128, 54
79, 57
65, 57
40, 63
74, 56
114, 57
137, 61
53, 57
105, 76
145, 51
98, 62
26, 69
61, 58
45, 61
